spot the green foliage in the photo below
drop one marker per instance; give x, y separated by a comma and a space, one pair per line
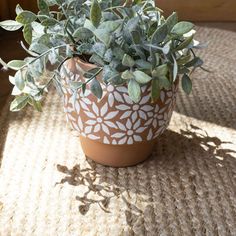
130, 43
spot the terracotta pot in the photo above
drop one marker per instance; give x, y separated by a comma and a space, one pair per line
115, 131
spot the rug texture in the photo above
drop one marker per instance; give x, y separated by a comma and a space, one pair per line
187, 187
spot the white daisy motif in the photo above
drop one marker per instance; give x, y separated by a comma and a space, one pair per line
129, 133
163, 123
155, 117
100, 119
134, 110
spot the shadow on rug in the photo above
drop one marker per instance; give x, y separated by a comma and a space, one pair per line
184, 179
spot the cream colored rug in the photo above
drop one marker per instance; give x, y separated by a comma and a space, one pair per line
187, 187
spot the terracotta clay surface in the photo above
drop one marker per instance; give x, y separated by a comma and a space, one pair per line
115, 119
116, 155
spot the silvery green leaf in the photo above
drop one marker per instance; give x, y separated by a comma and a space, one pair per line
51, 2
128, 61
171, 21
38, 48
184, 59
108, 55
143, 64
141, 77
166, 49
53, 56
83, 33
27, 32
134, 90
182, 27
155, 93
108, 73
99, 49
164, 82
19, 80
38, 28
196, 62
95, 13
103, 36
131, 25
96, 60
160, 71
175, 69
136, 37
26, 17
127, 75
88, 24
186, 84
10, 25
118, 53
185, 43
160, 34
96, 88
49, 22
19, 103
37, 105
16, 64
18, 9
110, 26
43, 6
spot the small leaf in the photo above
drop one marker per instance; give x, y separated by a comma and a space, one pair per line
83, 33
18, 9
36, 104
43, 6
182, 27
26, 17
160, 34
10, 25
155, 94
110, 26
171, 21
19, 103
99, 49
103, 36
185, 43
27, 32
16, 64
95, 13
164, 82
186, 84
143, 64
196, 62
134, 91
160, 71
96, 88
126, 75
19, 81
141, 77
175, 69
136, 37
128, 61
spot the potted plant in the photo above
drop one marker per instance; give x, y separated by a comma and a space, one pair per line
117, 65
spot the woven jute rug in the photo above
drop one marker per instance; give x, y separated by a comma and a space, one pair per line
187, 187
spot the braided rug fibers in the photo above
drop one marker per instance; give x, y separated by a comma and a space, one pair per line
187, 187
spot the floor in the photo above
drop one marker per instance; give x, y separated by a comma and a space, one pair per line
10, 49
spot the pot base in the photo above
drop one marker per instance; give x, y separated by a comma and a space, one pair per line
116, 155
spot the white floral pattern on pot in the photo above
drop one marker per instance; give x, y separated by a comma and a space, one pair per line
116, 119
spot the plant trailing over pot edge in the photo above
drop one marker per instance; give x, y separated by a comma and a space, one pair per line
131, 44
